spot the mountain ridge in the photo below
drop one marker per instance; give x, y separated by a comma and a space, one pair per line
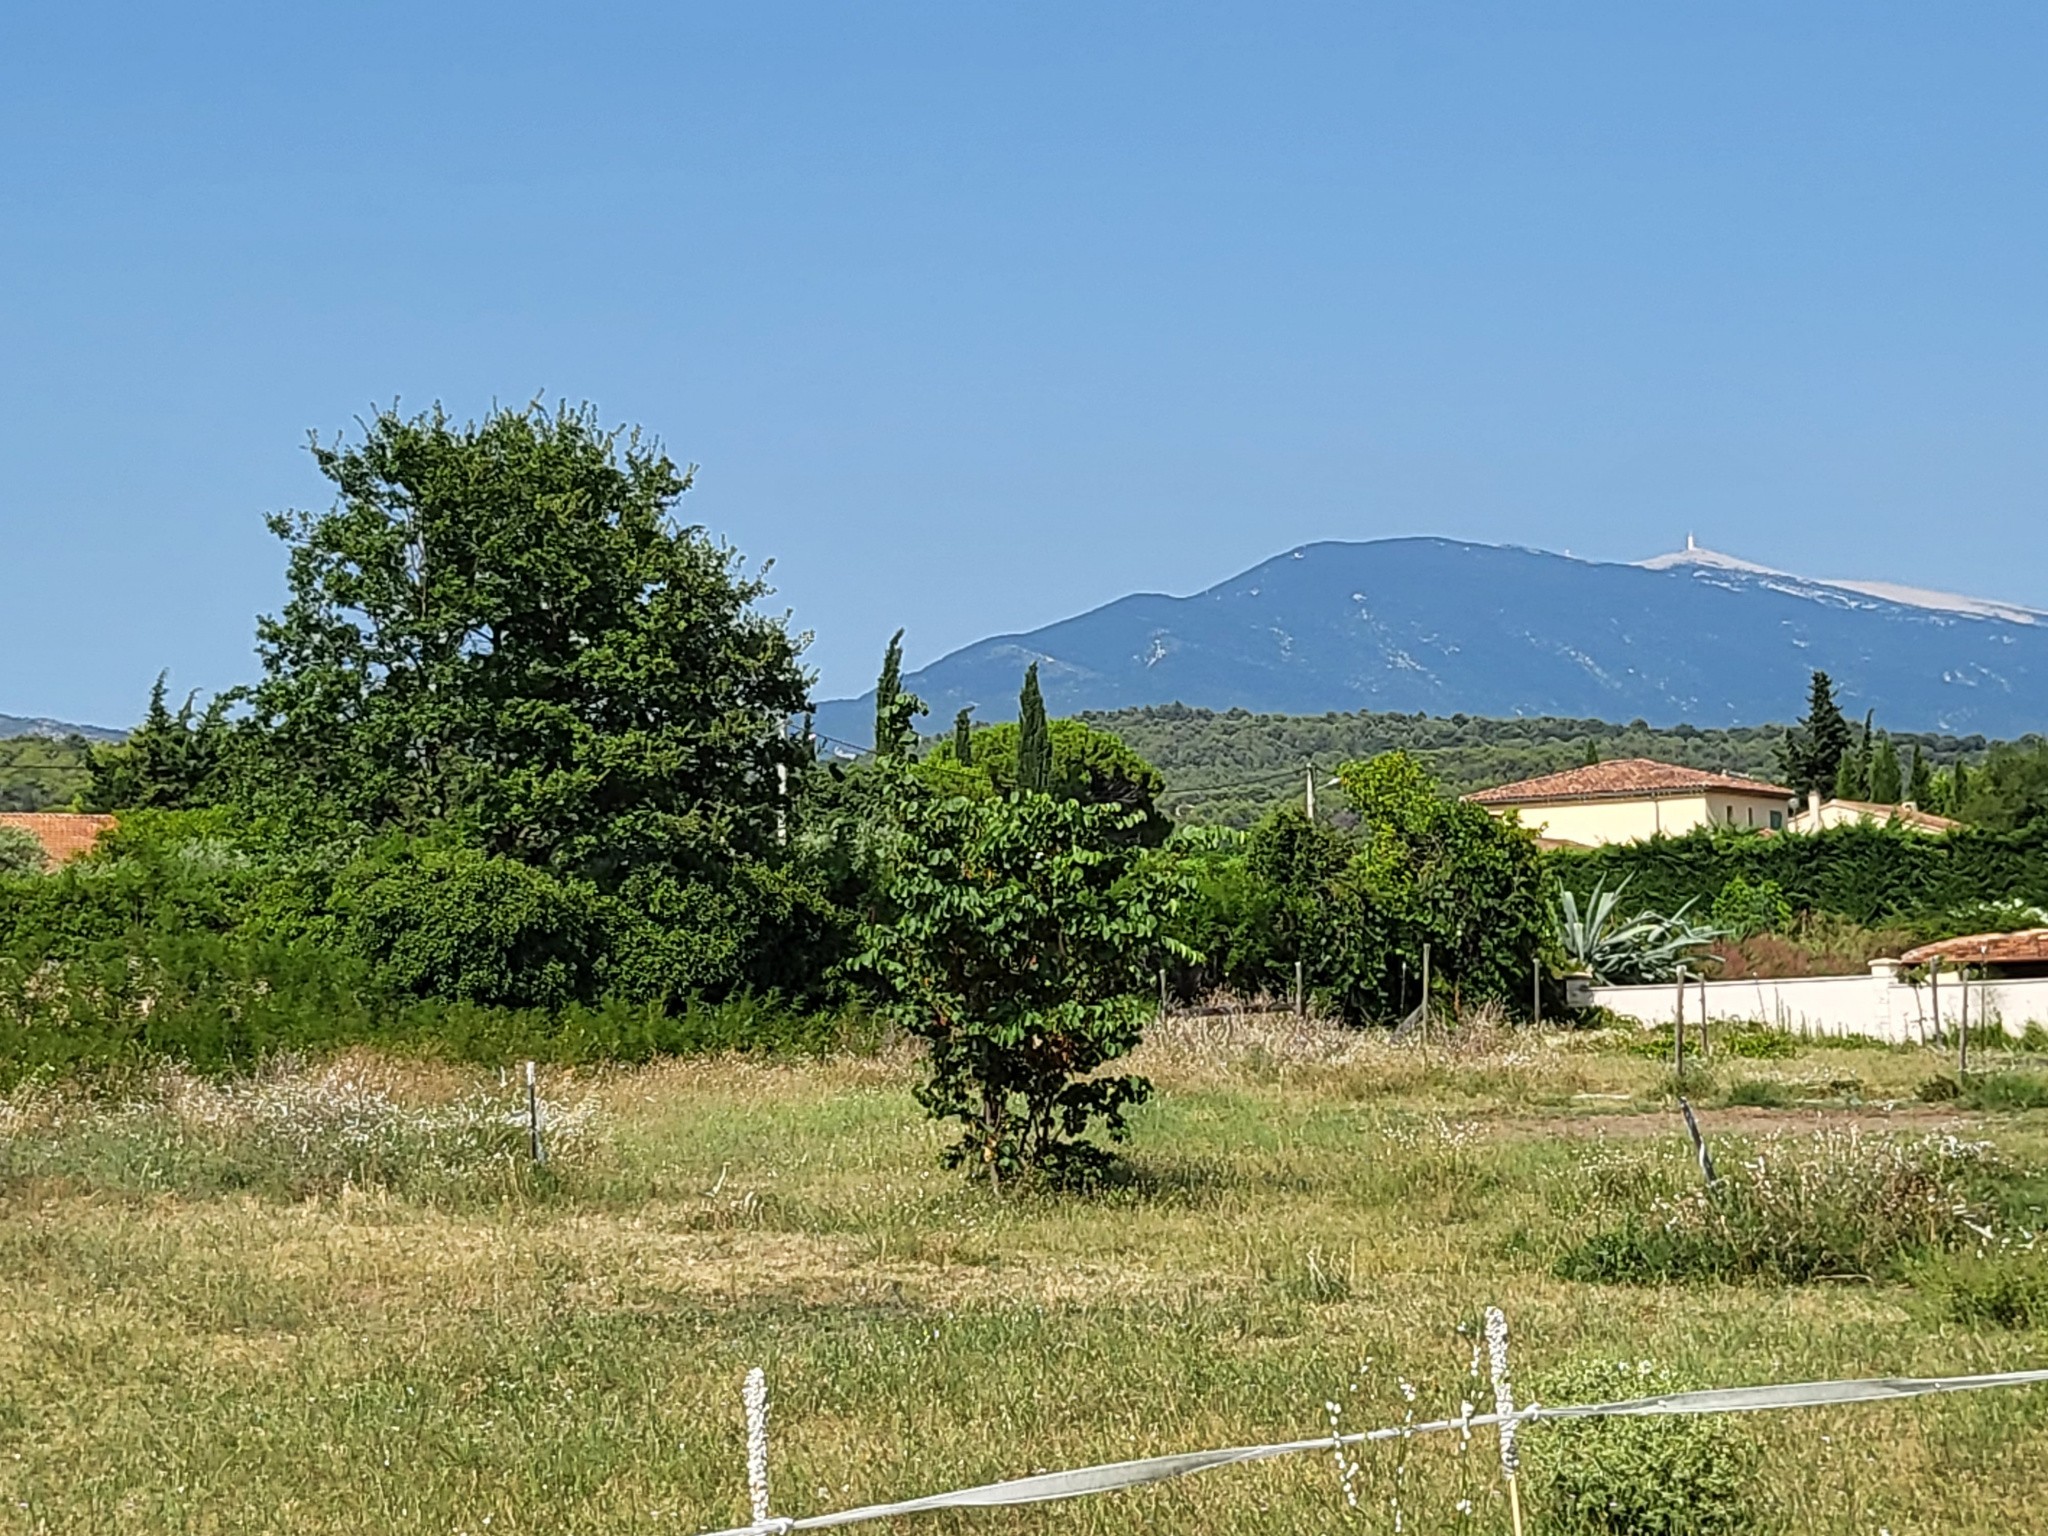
13, 726
1445, 626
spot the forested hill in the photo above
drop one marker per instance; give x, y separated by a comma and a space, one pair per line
1231, 766
14, 726
39, 772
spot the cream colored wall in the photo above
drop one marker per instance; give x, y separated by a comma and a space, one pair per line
1594, 822
1747, 812
1615, 821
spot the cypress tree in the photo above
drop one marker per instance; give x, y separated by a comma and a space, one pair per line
1887, 782
169, 762
1034, 737
963, 739
1958, 789
1920, 781
1811, 756
1852, 774
888, 721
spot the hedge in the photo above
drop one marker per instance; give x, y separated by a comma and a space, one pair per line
1865, 872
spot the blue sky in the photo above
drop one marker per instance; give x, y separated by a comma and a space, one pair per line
978, 315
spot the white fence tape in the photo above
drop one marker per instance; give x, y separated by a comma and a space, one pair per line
1049, 1486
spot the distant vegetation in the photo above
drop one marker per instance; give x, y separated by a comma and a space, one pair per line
1231, 767
38, 773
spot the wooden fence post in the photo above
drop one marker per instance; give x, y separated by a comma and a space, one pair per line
1934, 982
1425, 992
534, 1147
1963, 1027
1678, 1030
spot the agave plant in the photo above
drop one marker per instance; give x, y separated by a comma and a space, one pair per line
1646, 946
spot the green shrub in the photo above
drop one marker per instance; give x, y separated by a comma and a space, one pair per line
21, 853
1751, 1042
457, 924
747, 928
1830, 1205
2003, 1289
1743, 908
1025, 937
2006, 1090
1757, 1093
1665, 1475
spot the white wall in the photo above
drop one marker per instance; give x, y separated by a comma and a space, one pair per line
1874, 1005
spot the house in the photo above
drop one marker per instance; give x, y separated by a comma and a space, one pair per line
1636, 798
64, 835
1821, 814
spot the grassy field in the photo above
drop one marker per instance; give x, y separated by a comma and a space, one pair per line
337, 1299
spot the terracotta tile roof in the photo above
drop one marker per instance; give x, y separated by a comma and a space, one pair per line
2028, 946
1630, 778
64, 835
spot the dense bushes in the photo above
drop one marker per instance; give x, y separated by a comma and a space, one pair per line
1357, 905
460, 924
221, 1003
1869, 873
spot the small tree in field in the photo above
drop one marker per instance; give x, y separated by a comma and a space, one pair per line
1022, 946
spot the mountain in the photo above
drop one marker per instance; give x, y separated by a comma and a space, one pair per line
1443, 627
54, 730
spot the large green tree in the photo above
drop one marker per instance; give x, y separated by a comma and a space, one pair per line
501, 631
1442, 871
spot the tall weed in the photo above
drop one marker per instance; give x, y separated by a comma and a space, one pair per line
1835, 1204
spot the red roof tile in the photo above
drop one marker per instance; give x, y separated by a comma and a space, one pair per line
1631, 778
64, 835
2030, 945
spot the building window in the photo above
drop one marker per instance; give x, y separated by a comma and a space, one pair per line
1777, 821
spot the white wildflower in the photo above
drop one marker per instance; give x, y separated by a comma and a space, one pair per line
755, 1395
1503, 1392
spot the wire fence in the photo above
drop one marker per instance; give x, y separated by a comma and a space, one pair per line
1080, 1482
